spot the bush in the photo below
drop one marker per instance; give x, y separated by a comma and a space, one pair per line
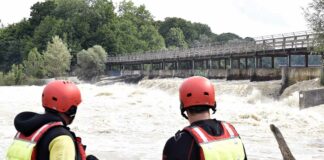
15, 76
91, 62
34, 64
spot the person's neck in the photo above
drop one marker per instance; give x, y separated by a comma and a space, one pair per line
65, 118
198, 117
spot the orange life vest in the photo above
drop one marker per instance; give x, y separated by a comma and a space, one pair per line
226, 146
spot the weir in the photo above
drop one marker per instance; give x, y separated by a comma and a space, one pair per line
261, 59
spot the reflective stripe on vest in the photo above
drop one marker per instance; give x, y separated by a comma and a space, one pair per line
227, 146
23, 147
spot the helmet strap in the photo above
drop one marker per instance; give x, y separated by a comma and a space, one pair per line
71, 112
182, 111
184, 115
214, 108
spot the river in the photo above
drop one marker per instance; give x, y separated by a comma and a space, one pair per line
133, 121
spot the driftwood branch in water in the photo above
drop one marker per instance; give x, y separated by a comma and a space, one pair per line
285, 151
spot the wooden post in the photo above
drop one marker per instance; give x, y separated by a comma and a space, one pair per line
272, 61
285, 151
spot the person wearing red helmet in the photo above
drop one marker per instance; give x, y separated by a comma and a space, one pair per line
46, 136
204, 138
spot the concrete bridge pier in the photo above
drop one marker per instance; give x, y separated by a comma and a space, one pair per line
209, 63
193, 64
306, 60
289, 60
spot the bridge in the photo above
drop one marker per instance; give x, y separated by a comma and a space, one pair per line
245, 59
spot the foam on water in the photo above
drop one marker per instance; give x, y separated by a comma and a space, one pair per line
123, 121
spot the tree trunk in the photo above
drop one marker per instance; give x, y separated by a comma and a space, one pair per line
285, 151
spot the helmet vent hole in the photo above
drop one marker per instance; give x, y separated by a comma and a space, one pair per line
206, 93
189, 95
54, 98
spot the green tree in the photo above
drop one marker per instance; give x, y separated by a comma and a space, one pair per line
151, 36
202, 29
34, 64
57, 58
15, 43
186, 26
40, 10
175, 38
249, 39
136, 24
1, 26
47, 29
91, 62
225, 37
314, 14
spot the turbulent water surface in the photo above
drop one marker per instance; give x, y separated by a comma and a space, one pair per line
123, 121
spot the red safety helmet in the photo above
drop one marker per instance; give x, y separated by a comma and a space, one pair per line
61, 95
197, 91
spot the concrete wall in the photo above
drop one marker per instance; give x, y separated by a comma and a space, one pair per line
230, 74
233, 74
311, 98
292, 75
217, 73
288, 75
267, 73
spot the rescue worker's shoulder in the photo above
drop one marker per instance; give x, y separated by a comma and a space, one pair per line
53, 133
230, 127
180, 136
58, 131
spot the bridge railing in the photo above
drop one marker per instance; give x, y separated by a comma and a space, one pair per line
293, 40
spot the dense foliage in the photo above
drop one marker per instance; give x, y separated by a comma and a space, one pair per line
82, 24
314, 15
53, 40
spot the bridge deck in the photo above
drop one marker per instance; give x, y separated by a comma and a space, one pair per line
274, 45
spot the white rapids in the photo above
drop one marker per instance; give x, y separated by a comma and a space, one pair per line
123, 121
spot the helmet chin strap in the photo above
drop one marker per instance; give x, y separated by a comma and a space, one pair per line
182, 111
184, 115
71, 112
214, 108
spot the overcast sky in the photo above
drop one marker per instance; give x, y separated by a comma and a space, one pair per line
244, 17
